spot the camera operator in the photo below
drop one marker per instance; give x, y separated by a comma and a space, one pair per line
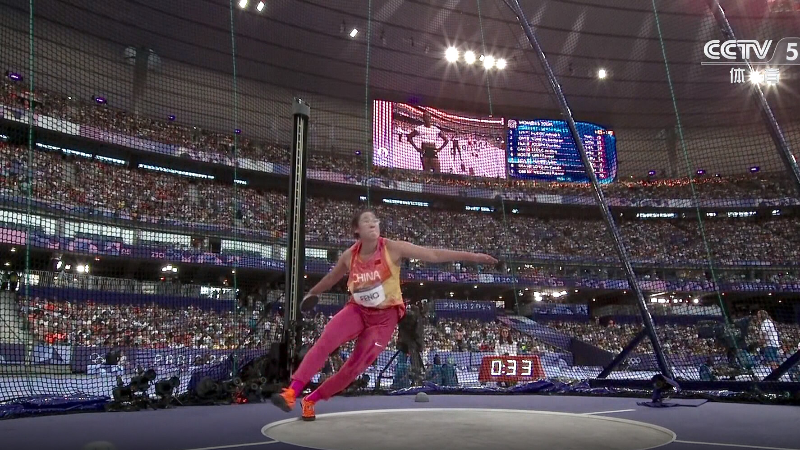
410, 338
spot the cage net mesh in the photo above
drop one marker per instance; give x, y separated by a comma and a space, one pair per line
146, 151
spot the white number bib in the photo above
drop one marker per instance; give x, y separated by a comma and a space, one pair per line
370, 298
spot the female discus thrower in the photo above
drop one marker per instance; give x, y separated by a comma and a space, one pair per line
375, 307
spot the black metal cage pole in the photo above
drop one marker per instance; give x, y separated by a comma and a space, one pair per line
296, 242
619, 246
774, 129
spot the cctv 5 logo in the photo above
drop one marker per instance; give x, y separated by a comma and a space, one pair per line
737, 49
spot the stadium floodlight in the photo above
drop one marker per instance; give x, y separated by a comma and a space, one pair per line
488, 62
602, 74
451, 54
353, 33
260, 6
756, 77
501, 64
243, 4
469, 57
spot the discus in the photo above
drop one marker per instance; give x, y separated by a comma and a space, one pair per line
309, 303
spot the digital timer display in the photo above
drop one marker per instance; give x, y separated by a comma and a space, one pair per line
511, 368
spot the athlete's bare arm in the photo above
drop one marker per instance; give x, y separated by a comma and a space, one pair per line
339, 271
411, 137
403, 249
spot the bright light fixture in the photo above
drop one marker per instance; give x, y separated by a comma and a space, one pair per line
602, 74
756, 77
261, 6
488, 62
501, 64
353, 33
469, 57
243, 4
451, 54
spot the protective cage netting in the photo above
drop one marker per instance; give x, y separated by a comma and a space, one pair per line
146, 151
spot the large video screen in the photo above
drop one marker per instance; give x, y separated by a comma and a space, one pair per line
544, 150
421, 138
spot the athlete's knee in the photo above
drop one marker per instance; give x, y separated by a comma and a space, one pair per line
325, 344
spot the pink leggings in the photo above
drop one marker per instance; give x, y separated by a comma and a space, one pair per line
372, 327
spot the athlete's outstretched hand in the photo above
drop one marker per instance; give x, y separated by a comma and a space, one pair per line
484, 258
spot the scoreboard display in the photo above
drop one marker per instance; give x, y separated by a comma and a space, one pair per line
544, 150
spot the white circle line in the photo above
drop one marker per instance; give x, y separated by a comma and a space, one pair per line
667, 431
720, 444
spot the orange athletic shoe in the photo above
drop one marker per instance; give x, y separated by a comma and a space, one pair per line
308, 410
285, 400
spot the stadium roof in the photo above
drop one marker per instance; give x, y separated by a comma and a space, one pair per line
304, 45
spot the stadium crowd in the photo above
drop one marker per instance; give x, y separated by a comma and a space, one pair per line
154, 326
144, 326
78, 184
224, 146
94, 323
678, 341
